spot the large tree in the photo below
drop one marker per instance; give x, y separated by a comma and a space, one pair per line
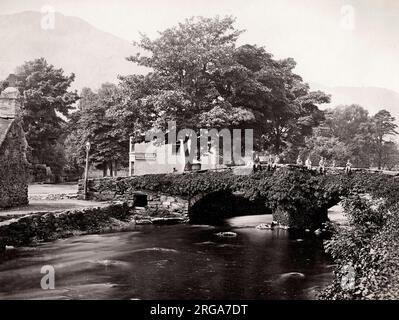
201, 79
46, 103
95, 123
349, 131
383, 125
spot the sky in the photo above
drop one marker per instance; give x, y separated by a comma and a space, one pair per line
335, 42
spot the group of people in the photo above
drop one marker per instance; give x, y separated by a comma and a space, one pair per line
273, 161
322, 165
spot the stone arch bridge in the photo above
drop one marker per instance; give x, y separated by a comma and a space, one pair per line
296, 197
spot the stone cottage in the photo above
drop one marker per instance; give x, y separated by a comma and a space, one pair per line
13, 163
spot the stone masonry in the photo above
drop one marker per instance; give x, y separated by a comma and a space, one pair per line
13, 163
158, 203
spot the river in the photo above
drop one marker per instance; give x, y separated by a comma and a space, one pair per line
173, 262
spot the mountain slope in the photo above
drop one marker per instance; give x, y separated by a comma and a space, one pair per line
371, 98
74, 45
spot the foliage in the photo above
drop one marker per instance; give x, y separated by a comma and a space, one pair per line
348, 132
328, 147
46, 100
369, 245
200, 79
383, 125
95, 122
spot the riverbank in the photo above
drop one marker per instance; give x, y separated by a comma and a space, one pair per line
54, 212
23, 227
37, 206
366, 250
38, 227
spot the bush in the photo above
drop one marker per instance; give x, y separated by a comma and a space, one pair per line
366, 251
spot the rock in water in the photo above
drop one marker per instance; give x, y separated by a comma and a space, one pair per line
227, 234
317, 232
292, 275
264, 226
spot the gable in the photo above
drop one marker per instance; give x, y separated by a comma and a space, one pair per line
5, 125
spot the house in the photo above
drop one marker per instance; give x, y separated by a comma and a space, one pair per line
13, 163
155, 158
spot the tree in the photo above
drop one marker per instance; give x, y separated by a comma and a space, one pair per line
200, 79
390, 155
328, 147
186, 60
349, 131
345, 122
383, 125
46, 100
95, 123
347, 128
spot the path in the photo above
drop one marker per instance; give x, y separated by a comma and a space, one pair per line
49, 198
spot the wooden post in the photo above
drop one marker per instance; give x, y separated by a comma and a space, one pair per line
86, 169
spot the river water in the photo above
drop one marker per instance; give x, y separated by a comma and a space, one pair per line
173, 262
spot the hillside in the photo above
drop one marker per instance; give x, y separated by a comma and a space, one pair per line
371, 98
74, 45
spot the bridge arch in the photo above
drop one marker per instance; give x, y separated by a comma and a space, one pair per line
214, 207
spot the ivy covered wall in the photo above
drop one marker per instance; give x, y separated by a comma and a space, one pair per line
13, 166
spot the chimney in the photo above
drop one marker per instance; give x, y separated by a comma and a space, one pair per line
10, 106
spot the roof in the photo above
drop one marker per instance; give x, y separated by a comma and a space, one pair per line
10, 92
5, 125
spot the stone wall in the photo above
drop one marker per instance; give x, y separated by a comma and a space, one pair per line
13, 168
13, 163
47, 226
158, 203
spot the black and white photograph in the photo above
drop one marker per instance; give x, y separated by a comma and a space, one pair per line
229, 151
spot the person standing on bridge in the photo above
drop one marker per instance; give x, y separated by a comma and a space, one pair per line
308, 163
322, 165
299, 161
276, 162
257, 166
348, 167
269, 162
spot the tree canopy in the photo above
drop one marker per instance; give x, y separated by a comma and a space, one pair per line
46, 103
94, 121
349, 132
201, 79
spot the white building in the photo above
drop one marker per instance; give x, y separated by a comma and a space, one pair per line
154, 158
